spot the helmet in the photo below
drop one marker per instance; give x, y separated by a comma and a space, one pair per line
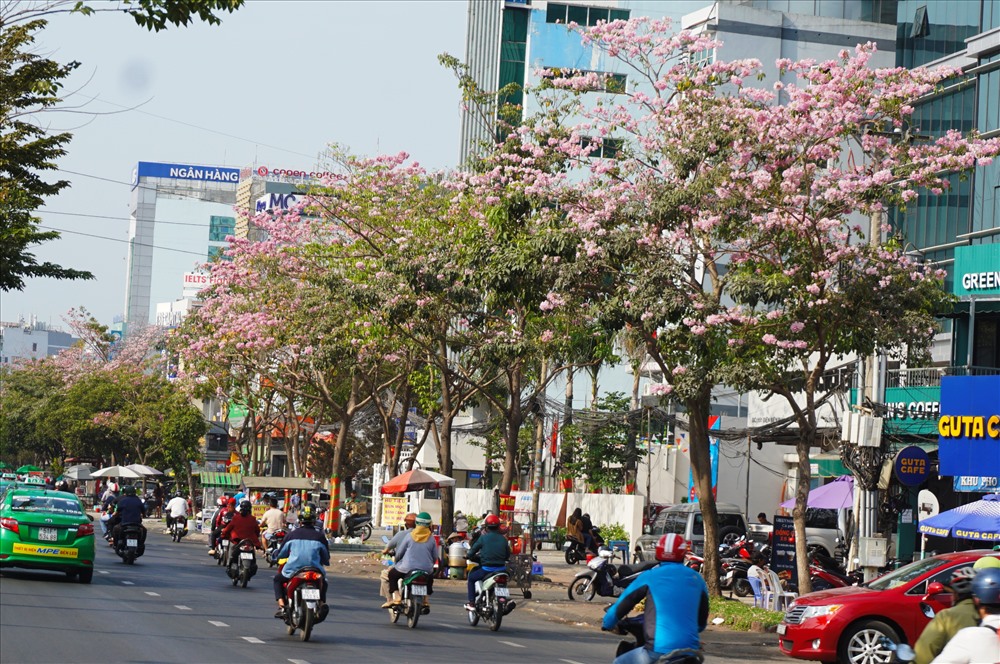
178, 494
245, 508
986, 586
307, 514
492, 521
961, 580
223, 501
231, 502
671, 548
423, 519
129, 490
986, 562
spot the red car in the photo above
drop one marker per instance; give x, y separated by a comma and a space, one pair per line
847, 624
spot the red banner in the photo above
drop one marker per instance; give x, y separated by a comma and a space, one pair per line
506, 503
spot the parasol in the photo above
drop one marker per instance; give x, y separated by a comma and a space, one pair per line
837, 495
979, 520
116, 471
416, 480
143, 470
79, 473
28, 469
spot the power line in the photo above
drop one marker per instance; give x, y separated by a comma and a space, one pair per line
194, 126
115, 239
105, 216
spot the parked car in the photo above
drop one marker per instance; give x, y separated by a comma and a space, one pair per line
847, 624
825, 530
685, 520
44, 529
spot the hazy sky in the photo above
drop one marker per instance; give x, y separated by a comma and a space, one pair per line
274, 84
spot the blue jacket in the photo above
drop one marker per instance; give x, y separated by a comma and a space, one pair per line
676, 607
304, 547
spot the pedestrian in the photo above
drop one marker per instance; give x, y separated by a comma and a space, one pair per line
762, 519
158, 500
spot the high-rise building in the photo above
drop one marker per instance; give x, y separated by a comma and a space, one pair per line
31, 340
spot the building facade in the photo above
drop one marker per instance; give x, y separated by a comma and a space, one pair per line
31, 340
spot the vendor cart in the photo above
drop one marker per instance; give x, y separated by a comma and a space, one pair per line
519, 569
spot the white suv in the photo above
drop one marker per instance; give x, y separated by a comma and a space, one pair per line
685, 520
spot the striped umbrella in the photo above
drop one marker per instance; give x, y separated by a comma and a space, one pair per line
976, 521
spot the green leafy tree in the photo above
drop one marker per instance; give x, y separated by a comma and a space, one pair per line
32, 85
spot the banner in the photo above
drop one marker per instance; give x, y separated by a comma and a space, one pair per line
714, 423
969, 426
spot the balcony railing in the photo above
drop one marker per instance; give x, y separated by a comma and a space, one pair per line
931, 376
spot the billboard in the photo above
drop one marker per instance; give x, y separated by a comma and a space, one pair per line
977, 270
969, 426
150, 169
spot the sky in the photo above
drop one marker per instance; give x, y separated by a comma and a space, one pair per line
274, 84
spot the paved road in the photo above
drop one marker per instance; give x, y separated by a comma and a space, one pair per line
176, 605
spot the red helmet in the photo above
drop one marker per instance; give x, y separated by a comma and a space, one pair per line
223, 501
231, 502
492, 521
671, 548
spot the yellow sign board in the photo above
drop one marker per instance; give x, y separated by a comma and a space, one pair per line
393, 510
40, 550
258, 511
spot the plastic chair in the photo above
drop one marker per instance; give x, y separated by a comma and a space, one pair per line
775, 598
755, 583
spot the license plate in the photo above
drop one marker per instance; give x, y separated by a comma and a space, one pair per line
729, 575
225, 545
48, 534
502, 592
419, 591
246, 556
132, 543
310, 593
781, 628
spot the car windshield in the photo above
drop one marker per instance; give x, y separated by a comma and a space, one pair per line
904, 574
44, 504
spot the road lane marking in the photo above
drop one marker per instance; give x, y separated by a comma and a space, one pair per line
251, 639
217, 623
570, 661
447, 625
128, 583
516, 645
152, 594
103, 571
181, 607
298, 661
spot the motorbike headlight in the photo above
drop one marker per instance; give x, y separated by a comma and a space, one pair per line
819, 611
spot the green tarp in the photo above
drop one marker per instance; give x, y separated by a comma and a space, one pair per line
221, 479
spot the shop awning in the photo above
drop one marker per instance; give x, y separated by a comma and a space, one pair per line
828, 465
290, 483
961, 308
232, 480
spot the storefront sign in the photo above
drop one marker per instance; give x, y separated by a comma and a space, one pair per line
969, 426
147, 169
393, 510
977, 270
912, 466
783, 546
977, 484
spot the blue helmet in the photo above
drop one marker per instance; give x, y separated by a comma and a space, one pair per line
986, 586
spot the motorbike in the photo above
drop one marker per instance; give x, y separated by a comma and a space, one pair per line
634, 627
302, 604
355, 525
825, 573
412, 591
693, 561
493, 600
734, 576
273, 546
574, 551
604, 578
222, 552
129, 545
242, 563
178, 529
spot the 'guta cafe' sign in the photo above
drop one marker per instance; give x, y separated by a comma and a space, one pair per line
969, 426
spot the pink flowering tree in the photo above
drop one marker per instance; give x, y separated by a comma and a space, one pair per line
726, 231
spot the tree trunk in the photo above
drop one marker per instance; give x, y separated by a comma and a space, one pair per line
511, 430
799, 515
447, 468
701, 469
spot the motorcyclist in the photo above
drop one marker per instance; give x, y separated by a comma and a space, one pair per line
222, 518
177, 509
303, 547
671, 591
416, 552
491, 550
947, 623
273, 519
409, 522
978, 645
129, 511
243, 526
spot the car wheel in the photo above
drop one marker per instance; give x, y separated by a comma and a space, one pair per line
862, 643
86, 576
729, 535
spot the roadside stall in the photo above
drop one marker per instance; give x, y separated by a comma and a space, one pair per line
213, 486
283, 486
